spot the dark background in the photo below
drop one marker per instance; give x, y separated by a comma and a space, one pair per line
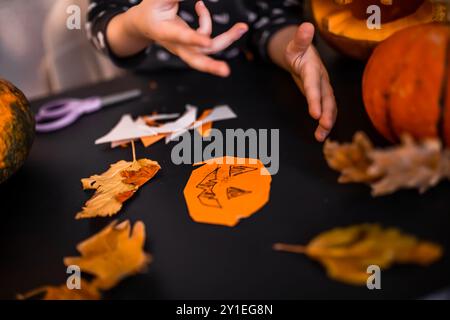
197, 261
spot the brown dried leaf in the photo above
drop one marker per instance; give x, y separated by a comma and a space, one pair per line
62, 292
409, 165
351, 159
347, 252
112, 254
116, 186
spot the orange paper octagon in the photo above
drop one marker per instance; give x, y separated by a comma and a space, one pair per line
225, 190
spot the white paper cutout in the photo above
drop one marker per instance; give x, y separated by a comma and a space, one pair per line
217, 114
127, 129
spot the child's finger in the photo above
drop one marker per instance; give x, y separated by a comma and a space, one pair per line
312, 89
182, 34
204, 63
300, 44
204, 18
303, 37
329, 110
224, 40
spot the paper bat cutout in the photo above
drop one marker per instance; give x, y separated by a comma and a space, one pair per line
217, 114
150, 131
127, 129
140, 125
183, 122
225, 190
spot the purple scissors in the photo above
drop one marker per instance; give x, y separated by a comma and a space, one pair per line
59, 114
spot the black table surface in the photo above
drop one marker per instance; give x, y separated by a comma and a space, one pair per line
194, 260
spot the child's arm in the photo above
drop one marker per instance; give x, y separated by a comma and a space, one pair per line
276, 36
130, 29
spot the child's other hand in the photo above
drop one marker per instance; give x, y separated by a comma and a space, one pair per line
158, 20
312, 78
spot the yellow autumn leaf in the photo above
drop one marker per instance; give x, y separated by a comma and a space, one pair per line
347, 252
116, 186
112, 254
62, 292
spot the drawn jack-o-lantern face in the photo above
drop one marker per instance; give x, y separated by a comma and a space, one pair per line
225, 190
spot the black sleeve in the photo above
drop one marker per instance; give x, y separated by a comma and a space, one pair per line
100, 13
265, 18
269, 16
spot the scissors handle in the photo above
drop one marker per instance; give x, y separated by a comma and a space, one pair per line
62, 113
65, 112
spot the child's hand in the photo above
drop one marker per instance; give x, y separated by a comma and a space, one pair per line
310, 74
157, 20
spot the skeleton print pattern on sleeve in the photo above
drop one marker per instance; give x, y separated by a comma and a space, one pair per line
264, 17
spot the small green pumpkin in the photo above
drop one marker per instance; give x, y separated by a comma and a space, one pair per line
17, 129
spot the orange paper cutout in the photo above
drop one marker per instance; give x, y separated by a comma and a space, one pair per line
205, 129
151, 122
226, 190
148, 141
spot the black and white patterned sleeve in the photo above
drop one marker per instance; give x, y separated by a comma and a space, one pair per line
100, 13
266, 17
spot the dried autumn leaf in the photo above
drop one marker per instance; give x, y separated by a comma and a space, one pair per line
112, 254
409, 165
347, 252
351, 159
116, 186
62, 292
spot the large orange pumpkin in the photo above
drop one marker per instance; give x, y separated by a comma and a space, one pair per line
406, 85
343, 23
16, 129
